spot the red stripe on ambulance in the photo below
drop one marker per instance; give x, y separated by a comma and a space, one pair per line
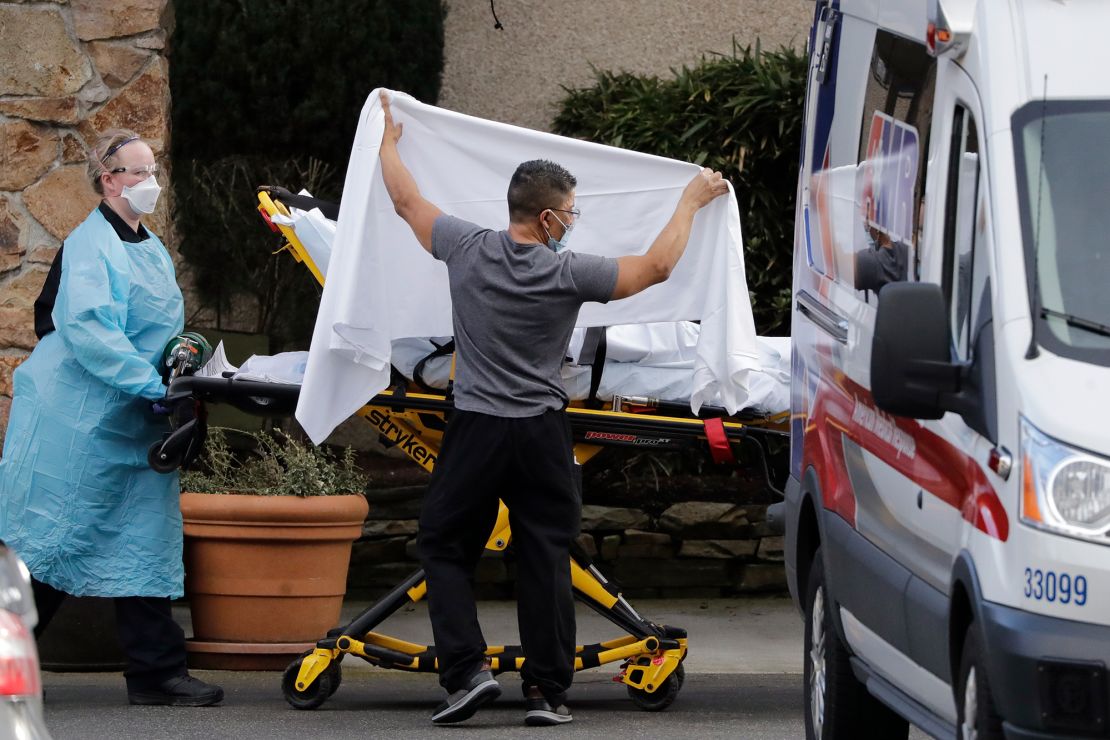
846, 409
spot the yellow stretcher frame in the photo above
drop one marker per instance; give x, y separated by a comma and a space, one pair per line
652, 655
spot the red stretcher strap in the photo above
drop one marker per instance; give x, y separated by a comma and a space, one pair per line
266, 218
719, 447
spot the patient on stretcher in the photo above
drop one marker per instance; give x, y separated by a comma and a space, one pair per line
654, 360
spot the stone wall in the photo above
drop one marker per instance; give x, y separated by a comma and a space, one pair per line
674, 545
68, 69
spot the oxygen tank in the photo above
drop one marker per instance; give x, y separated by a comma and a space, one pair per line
184, 355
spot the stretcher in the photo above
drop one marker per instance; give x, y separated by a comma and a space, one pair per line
413, 419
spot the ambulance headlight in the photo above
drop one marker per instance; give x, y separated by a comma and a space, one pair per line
1064, 489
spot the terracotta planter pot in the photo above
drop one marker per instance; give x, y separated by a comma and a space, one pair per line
265, 575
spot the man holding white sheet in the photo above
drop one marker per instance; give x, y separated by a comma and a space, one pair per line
515, 297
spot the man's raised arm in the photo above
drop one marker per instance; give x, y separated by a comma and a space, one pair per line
418, 213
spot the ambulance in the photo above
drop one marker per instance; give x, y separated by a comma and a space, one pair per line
948, 506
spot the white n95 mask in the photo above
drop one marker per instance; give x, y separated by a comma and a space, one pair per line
143, 197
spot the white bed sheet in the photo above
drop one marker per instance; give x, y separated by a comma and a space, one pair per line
383, 286
653, 359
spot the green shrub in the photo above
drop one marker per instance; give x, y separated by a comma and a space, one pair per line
287, 78
740, 114
277, 465
269, 92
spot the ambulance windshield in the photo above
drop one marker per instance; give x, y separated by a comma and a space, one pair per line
1063, 159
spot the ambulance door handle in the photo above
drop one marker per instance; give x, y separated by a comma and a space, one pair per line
830, 322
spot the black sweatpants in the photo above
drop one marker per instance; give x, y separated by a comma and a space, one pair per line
153, 641
529, 464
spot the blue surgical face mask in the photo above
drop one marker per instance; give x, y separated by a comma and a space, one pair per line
558, 245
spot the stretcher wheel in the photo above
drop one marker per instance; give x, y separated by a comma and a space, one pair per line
326, 684
662, 697
336, 676
167, 465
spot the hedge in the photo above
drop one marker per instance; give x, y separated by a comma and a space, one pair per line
269, 92
740, 114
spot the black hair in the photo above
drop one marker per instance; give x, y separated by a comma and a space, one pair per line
536, 185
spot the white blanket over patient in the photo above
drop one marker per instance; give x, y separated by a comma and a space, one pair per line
382, 285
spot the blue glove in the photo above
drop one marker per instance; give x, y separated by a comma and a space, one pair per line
160, 409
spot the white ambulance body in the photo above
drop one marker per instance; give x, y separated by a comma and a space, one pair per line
948, 508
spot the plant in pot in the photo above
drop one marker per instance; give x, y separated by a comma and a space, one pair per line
268, 539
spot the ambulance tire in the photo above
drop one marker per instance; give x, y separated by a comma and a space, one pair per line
837, 705
974, 694
317, 692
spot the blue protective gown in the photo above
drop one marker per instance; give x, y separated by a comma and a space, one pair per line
78, 500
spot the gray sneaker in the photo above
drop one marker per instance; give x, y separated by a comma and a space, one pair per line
540, 713
462, 704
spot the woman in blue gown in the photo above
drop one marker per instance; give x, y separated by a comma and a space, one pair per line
78, 501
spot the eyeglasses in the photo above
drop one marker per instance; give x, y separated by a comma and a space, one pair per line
572, 211
145, 170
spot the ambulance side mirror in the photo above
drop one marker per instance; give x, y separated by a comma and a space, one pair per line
912, 372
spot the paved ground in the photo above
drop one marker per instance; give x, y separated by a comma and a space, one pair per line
398, 704
743, 681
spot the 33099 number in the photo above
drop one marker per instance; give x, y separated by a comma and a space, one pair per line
1062, 588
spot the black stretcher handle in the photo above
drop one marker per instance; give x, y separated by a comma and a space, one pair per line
303, 202
252, 396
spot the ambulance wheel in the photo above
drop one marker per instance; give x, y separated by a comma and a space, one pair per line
317, 692
978, 718
662, 697
838, 706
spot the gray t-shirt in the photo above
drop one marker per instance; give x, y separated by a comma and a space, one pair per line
515, 306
